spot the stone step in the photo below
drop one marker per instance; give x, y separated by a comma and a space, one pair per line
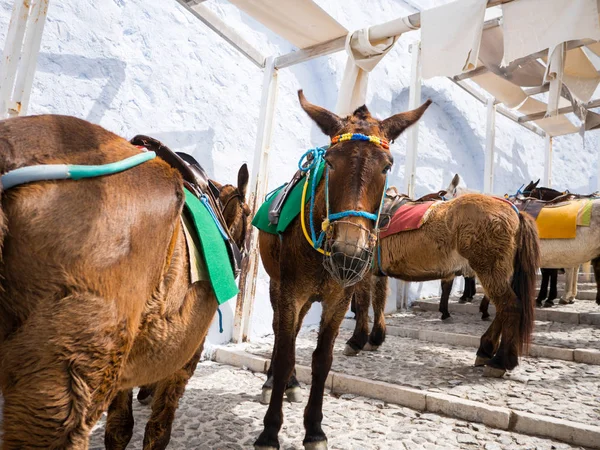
579, 313
558, 398
554, 340
583, 291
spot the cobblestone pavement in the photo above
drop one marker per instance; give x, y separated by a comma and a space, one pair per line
561, 389
580, 306
220, 410
556, 334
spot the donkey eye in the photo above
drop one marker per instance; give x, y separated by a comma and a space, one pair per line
328, 164
387, 168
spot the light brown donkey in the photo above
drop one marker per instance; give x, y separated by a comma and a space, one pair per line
472, 232
96, 294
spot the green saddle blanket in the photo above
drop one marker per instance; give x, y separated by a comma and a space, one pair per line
212, 248
290, 210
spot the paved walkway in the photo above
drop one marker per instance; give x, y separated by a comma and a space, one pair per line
220, 410
560, 389
555, 334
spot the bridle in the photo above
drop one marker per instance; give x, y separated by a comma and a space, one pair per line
238, 195
310, 163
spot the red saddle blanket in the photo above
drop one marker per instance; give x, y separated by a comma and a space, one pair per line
408, 217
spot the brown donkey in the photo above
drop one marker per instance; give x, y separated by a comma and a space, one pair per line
356, 182
96, 295
473, 231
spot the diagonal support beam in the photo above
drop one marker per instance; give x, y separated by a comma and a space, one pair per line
215, 23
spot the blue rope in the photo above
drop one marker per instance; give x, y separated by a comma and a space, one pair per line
268, 196
317, 157
220, 320
365, 214
204, 201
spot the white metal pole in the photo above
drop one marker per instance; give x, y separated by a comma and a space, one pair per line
490, 136
548, 162
258, 182
31, 50
412, 142
12, 53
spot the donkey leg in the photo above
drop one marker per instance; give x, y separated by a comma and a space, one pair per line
59, 372
446, 289
119, 421
484, 308
596, 267
292, 391
546, 274
377, 336
489, 343
283, 362
333, 314
571, 276
507, 356
470, 289
553, 285
165, 400
361, 299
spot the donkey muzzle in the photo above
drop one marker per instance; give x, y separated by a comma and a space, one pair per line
349, 252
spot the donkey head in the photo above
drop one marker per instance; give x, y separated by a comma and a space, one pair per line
457, 187
530, 187
357, 171
235, 209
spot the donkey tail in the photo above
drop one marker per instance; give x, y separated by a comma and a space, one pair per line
527, 261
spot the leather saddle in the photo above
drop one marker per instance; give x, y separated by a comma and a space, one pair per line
197, 182
279, 200
277, 203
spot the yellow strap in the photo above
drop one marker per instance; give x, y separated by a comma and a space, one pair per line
306, 235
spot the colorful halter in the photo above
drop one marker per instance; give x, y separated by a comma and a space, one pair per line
360, 137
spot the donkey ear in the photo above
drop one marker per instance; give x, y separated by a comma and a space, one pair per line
328, 122
242, 182
535, 184
393, 126
455, 181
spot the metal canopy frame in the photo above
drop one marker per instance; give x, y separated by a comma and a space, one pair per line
22, 47
385, 30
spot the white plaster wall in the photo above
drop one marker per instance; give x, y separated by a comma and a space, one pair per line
149, 67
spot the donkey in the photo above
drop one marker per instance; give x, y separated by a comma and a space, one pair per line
95, 295
165, 394
354, 185
473, 232
558, 253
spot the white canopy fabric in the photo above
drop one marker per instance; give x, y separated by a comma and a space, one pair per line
454, 40
534, 25
450, 37
301, 22
363, 56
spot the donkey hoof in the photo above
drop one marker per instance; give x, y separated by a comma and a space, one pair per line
493, 372
485, 318
321, 445
293, 394
370, 347
265, 397
448, 319
349, 351
481, 361
264, 447
568, 301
